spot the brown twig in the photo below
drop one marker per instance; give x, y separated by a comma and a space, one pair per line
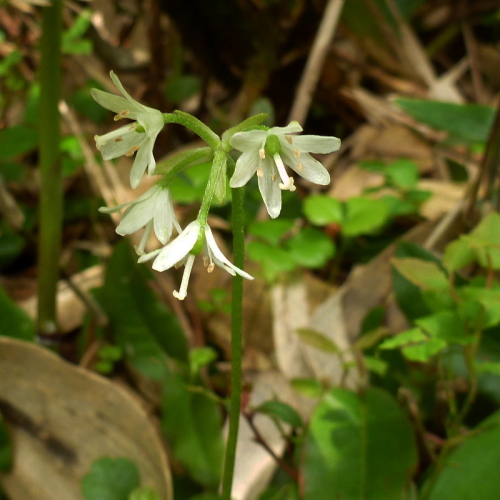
290, 471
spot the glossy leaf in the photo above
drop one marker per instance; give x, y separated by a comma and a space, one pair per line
358, 448
471, 471
364, 216
311, 248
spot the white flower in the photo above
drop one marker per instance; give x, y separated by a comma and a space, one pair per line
267, 157
178, 252
153, 209
126, 140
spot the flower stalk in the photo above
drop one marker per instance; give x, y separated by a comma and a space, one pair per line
51, 197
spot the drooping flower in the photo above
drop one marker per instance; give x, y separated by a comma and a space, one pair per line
152, 210
178, 252
266, 152
138, 137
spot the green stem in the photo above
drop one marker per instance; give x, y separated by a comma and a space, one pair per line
236, 343
51, 198
195, 125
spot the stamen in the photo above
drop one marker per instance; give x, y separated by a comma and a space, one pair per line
273, 177
259, 172
181, 294
206, 260
262, 153
119, 139
299, 167
132, 150
211, 267
287, 182
288, 139
139, 249
121, 114
296, 153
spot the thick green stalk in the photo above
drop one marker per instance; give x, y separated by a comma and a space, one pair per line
236, 343
51, 198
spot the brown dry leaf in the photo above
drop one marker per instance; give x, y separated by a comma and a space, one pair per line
62, 418
445, 195
353, 181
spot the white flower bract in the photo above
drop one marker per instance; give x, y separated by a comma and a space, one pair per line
271, 173
126, 140
178, 252
151, 210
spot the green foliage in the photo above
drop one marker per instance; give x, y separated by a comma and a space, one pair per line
317, 340
281, 411
144, 494
110, 479
143, 328
470, 471
17, 140
192, 424
465, 122
358, 447
200, 357
182, 87
14, 322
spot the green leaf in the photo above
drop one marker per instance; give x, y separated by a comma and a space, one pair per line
484, 240
192, 424
322, 210
142, 326
473, 297
402, 173
272, 231
376, 365
6, 451
426, 275
471, 471
311, 248
14, 322
408, 295
457, 255
144, 494
317, 340
403, 339
188, 186
181, 87
446, 325
309, 387
110, 479
424, 352
200, 357
468, 122
273, 260
364, 216
17, 140
282, 411
358, 448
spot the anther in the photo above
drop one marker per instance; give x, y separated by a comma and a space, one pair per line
121, 114
132, 150
288, 139
296, 153
273, 177
211, 267
262, 153
299, 167
119, 139
259, 172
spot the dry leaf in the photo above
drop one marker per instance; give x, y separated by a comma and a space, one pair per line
62, 418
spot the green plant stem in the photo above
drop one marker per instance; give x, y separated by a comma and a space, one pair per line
236, 343
51, 198
195, 125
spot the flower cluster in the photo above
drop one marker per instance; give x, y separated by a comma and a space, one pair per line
265, 151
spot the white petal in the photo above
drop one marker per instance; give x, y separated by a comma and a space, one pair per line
117, 208
149, 256
178, 248
246, 165
269, 188
315, 143
309, 168
118, 142
219, 258
163, 216
142, 159
249, 141
291, 128
114, 103
133, 106
137, 216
